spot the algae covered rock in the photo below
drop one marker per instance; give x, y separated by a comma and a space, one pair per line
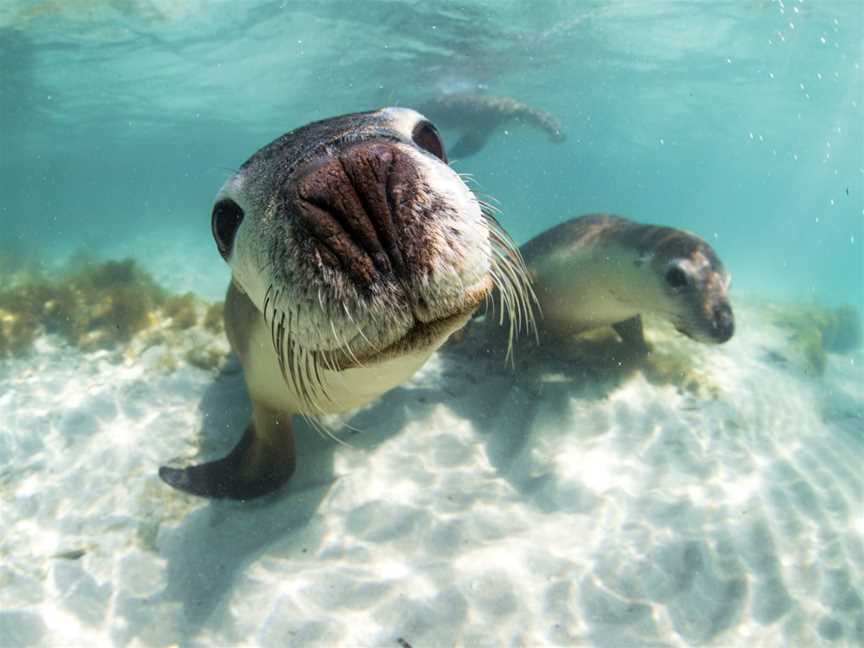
107, 305
93, 306
814, 331
181, 309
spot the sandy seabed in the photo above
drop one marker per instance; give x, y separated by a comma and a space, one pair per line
473, 507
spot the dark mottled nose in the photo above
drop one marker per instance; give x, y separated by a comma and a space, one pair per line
350, 206
724, 323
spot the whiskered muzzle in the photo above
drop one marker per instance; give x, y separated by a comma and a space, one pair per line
399, 253
717, 328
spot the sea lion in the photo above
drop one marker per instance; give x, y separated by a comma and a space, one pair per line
478, 116
355, 251
602, 270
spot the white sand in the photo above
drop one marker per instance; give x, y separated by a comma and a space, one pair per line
472, 510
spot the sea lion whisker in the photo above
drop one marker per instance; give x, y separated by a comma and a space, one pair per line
267, 301
280, 345
324, 431
356, 325
311, 388
319, 379
346, 346
516, 294
509, 255
518, 284
490, 208
467, 178
489, 199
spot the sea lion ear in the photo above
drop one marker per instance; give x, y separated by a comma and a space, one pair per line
728, 280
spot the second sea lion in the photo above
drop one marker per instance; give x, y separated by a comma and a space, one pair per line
602, 270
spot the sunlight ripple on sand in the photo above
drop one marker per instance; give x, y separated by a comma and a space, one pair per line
466, 511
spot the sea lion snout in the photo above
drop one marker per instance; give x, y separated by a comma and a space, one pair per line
353, 207
723, 324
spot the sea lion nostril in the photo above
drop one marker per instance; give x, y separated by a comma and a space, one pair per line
724, 322
335, 247
373, 171
350, 205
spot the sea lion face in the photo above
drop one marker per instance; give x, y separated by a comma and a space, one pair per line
694, 287
355, 240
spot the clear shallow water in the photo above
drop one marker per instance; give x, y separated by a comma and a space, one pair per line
741, 121
686, 519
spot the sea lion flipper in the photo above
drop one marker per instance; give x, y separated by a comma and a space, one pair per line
470, 143
259, 464
632, 333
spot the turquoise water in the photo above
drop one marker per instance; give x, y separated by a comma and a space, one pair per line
711, 495
740, 121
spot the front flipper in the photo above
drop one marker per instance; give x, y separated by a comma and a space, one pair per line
259, 464
470, 143
632, 334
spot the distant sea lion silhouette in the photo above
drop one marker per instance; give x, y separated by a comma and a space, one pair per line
355, 251
478, 116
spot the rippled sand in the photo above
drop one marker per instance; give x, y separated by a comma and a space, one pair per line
472, 508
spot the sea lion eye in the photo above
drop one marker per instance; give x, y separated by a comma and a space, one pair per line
676, 277
426, 136
227, 216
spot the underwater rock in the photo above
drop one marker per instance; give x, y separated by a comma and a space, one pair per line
213, 320
111, 305
94, 306
181, 310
